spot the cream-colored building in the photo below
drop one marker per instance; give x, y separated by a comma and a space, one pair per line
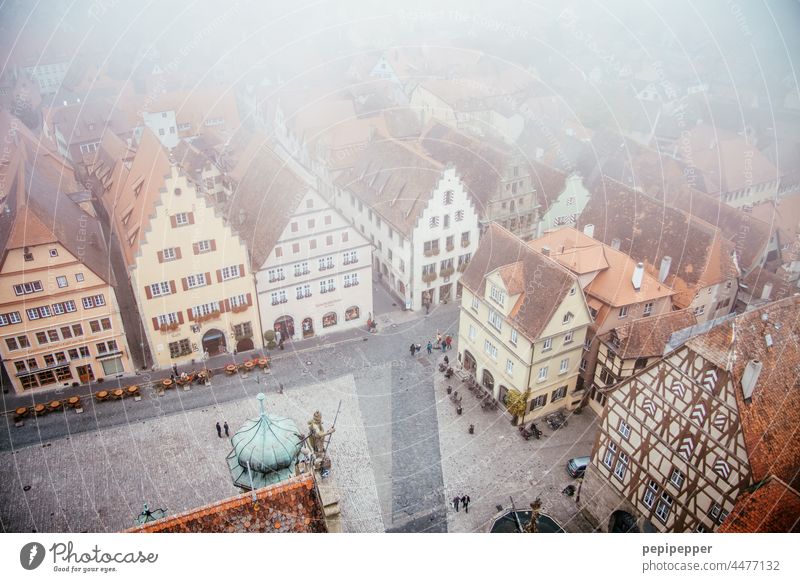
522, 324
617, 291
59, 318
189, 271
683, 439
312, 267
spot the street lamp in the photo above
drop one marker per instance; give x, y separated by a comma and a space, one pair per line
146, 515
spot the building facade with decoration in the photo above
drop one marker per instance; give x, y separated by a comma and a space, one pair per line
682, 440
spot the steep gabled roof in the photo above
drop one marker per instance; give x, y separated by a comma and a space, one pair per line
138, 190
40, 210
648, 230
647, 337
770, 419
544, 283
266, 196
395, 180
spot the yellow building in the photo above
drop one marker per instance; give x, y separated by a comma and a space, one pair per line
523, 323
59, 319
189, 271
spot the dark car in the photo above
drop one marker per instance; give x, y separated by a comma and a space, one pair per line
577, 467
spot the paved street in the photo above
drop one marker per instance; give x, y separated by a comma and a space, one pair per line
495, 464
400, 452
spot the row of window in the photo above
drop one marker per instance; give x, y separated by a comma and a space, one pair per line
302, 268
77, 353
198, 248
55, 335
312, 244
304, 291
541, 400
434, 221
61, 308
311, 223
28, 256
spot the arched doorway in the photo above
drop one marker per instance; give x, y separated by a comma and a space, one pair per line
469, 362
622, 522
245, 345
308, 328
213, 342
285, 325
488, 381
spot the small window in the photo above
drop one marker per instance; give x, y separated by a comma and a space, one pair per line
543, 374
548, 344
677, 478
61, 281
514, 337
624, 429
567, 318
563, 366
623, 311
53, 252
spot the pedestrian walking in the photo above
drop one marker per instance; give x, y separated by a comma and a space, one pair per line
175, 369
419, 347
444, 345
412, 349
456, 501
225, 426
446, 361
430, 348
438, 337
465, 502
219, 430
449, 342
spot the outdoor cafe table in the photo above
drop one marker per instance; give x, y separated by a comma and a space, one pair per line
166, 383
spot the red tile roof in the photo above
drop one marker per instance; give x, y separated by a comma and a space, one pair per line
291, 506
774, 507
647, 336
770, 419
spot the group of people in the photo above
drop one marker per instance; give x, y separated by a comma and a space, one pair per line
220, 428
463, 500
443, 343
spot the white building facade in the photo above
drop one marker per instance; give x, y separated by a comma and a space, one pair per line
317, 277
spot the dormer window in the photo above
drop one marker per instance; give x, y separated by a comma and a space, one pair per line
498, 296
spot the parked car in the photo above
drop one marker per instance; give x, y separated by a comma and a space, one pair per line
577, 467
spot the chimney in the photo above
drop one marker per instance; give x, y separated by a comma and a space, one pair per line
615, 244
750, 378
588, 230
638, 275
663, 272
766, 291
546, 251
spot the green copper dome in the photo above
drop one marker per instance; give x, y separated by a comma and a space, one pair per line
264, 451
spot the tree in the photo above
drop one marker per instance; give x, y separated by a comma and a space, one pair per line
269, 337
517, 404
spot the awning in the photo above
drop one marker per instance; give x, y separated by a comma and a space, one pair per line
117, 354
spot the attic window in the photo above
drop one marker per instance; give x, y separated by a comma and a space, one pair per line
27, 254
53, 252
567, 318
177, 191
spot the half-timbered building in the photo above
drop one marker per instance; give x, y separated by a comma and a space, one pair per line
681, 440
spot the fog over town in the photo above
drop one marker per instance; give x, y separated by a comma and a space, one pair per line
447, 266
